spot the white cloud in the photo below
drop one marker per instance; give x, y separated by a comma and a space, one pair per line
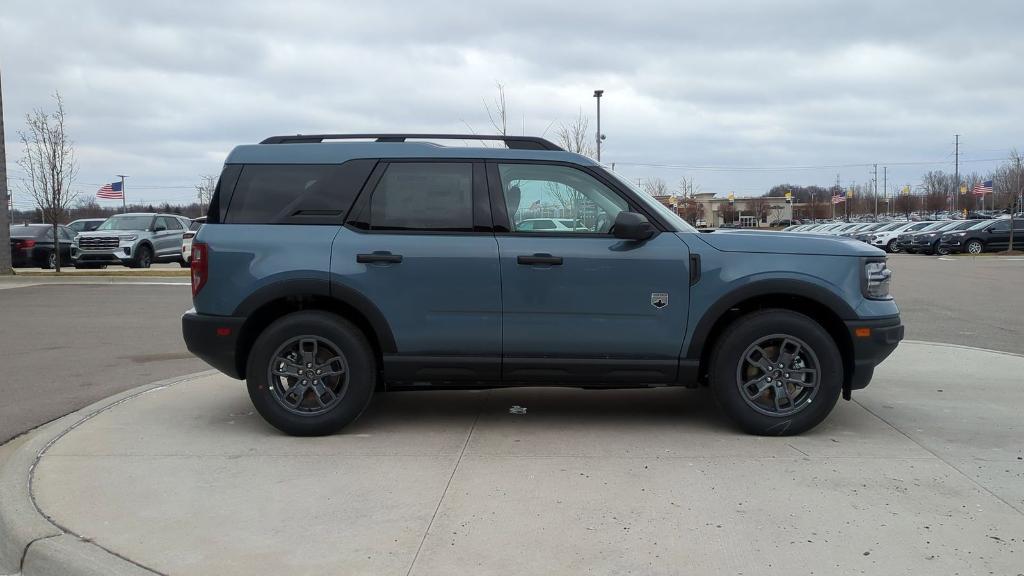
163, 92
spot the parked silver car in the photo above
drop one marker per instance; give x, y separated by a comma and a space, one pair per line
135, 240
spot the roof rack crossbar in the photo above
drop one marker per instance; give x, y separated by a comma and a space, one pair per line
513, 142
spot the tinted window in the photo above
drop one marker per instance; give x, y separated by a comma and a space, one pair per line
1001, 226
77, 226
296, 193
424, 196
27, 231
168, 223
546, 191
90, 226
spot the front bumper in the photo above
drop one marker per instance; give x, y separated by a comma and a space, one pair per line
120, 255
873, 342
952, 245
214, 339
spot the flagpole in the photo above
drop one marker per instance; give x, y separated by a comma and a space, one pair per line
124, 196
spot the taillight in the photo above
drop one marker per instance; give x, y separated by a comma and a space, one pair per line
187, 235
25, 244
200, 267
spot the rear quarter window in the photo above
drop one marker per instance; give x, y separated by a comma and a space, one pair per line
295, 193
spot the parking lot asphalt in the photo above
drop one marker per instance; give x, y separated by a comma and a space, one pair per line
91, 341
967, 300
65, 346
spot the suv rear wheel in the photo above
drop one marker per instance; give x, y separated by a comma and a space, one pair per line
776, 372
311, 373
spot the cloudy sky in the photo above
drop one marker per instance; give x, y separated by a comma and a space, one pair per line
738, 95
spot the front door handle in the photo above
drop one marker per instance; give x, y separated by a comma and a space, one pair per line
379, 257
546, 259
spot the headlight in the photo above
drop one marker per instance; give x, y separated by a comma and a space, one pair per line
877, 276
959, 234
129, 237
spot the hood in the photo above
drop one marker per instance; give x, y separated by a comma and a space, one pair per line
786, 243
104, 233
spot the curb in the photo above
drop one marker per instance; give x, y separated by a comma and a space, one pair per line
30, 542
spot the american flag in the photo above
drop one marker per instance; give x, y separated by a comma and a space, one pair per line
982, 188
111, 191
837, 199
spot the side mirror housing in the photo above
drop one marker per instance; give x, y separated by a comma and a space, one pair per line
632, 226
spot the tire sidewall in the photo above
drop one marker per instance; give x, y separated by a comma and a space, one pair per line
892, 247
347, 338
974, 243
745, 332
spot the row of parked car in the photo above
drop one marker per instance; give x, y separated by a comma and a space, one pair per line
927, 237
136, 240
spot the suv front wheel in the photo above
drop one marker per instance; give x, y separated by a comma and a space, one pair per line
143, 257
776, 372
311, 373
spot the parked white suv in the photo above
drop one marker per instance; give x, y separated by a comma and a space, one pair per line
886, 240
135, 240
186, 240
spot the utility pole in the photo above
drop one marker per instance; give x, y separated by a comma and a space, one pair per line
598, 94
5, 215
875, 180
124, 194
885, 187
956, 170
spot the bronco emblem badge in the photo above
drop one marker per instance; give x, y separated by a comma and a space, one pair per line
659, 299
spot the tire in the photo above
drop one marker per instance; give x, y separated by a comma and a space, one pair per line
759, 413
305, 413
183, 263
938, 249
143, 257
892, 247
974, 247
50, 262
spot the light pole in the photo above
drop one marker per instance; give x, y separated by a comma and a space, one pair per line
598, 94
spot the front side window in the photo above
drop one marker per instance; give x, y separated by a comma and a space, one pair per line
548, 198
424, 196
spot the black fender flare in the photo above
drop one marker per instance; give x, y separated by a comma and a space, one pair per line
765, 287
321, 288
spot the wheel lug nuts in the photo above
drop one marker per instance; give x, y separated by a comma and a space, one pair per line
309, 365
319, 371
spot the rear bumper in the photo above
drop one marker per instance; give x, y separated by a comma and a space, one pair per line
214, 339
870, 350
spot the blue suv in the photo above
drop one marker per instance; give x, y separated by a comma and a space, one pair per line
333, 265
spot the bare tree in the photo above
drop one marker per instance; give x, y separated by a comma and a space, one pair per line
691, 210
498, 116
687, 187
655, 187
759, 206
48, 159
1014, 178
5, 217
573, 136
204, 190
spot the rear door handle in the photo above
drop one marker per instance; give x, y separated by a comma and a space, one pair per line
379, 257
547, 259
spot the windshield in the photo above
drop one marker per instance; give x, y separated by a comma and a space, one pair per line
653, 205
126, 223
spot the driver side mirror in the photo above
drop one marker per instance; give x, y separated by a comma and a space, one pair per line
159, 228
632, 226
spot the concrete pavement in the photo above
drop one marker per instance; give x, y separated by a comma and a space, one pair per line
921, 474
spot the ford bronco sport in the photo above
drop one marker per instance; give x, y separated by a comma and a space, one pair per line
333, 264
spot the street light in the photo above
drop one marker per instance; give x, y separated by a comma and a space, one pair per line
598, 94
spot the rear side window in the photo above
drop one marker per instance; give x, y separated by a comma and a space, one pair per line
295, 193
425, 196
